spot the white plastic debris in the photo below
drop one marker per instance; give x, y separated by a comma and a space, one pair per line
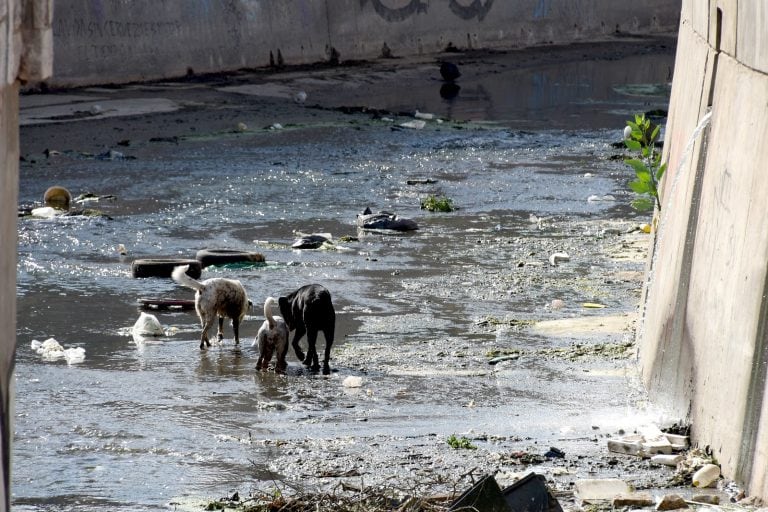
74, 355
424, 115
557, 257
51, 350
706, 476
300, 97
595, 198
416, 124
666, 460
353, 381
147, 325
46, 212
556, 304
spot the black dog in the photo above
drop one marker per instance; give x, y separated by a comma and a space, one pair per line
310, 310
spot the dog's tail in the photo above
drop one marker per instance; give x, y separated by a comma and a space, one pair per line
268, 311
179, 275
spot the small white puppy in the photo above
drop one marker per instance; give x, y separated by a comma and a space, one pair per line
217, 297
272, 338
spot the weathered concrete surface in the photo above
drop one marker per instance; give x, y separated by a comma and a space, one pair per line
703, 344
25, 54
110, 41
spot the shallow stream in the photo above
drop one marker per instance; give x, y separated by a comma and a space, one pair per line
139, 424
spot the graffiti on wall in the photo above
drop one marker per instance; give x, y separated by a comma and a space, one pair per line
475, 9
394, 10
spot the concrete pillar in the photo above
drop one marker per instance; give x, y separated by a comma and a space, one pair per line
26, 54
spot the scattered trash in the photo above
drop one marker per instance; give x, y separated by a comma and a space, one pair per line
300, 97
57, 197
421, 181
671, 502
555, 453
47, 212
416, 124
593, 305
499, 359
275, 126
595, 491
424, 115
645, 228
147, 325
167, 304
654, 443
95, 110
679, 442
311, 240
484, 495
93, 198
558, 257
641, 446
531, 494
556, 304
241, 127
111, 154
666, 460
706, 475
121, 250
384, 220
352, 381
596, 198
51, 350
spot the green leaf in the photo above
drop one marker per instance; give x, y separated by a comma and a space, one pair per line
655, 133
638, 165
642, 204
660, 172
633, 144
644, 176
646, 152
641, 187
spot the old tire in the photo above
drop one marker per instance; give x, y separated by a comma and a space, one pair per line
162, 267
164, 304
208, 257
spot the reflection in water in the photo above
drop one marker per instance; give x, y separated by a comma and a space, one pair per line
449, 91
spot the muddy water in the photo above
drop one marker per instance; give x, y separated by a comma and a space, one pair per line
140, 423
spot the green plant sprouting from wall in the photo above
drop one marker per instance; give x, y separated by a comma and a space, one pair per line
641, 136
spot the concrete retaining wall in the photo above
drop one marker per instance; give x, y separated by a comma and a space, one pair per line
704, 336
26, 54
126, 40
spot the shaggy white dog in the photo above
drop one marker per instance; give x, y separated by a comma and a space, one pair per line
217, 297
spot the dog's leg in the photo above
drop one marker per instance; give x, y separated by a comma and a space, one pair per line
300, 330
281, 365
311, 359
220, 332
207, 324
328, 333
236, 329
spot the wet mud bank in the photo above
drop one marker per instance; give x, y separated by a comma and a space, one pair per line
467, 328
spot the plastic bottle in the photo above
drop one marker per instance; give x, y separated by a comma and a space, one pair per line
706, 475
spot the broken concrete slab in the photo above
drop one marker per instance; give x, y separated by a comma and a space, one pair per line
594, 491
